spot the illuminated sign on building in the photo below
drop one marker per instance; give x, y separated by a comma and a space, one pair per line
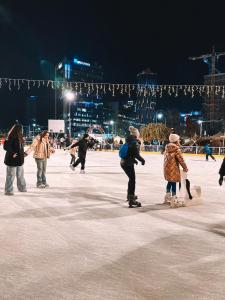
67, 71
78, 62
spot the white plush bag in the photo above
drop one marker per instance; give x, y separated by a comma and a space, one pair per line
187, 195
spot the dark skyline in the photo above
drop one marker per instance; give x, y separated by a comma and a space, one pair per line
122, 36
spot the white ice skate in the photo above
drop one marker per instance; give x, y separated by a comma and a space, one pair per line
167, 198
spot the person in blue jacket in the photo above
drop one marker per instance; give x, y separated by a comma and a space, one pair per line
208, 152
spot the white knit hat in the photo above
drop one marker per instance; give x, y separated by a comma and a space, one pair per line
173, 138
134, 131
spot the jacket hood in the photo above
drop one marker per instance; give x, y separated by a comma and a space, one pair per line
170, 148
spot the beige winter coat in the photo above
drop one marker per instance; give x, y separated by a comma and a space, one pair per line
42, 149
172, 159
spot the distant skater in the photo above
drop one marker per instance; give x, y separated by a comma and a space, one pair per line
208, 152
82, 145
72, 152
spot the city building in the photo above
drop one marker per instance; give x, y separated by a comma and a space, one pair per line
145, 104
84, 110
214, 105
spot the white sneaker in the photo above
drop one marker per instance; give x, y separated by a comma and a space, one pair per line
82, 172
167, 198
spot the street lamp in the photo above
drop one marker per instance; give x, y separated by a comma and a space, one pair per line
112, 123
160, 116
33, 125
200, 123
69, 96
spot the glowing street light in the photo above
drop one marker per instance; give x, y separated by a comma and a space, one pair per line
159, 116
69, 96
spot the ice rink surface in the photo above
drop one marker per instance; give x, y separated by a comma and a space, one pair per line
79, 240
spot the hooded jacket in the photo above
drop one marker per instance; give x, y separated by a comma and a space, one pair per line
133, 152
172, 159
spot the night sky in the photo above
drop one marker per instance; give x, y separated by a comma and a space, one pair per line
125, 37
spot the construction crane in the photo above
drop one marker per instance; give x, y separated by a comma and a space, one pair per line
211, 60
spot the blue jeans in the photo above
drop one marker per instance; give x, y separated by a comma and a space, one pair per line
41, 170
11, 173
171, 186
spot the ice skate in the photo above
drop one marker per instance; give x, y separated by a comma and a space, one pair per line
133, 202
167, 198
135, 197
82, 172
175, 203
72, 167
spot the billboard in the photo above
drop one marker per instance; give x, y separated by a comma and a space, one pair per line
56, 125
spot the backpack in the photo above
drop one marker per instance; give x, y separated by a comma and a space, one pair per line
123, 150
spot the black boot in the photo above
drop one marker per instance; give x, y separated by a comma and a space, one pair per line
133, 202
135, 197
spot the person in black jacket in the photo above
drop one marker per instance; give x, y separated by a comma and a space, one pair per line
82, 145
222, 172
14, 160
127, 164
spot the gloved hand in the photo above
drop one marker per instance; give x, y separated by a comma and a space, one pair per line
143, 162
136, 162
221, 180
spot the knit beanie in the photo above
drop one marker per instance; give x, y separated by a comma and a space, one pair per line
173, 138
134, 131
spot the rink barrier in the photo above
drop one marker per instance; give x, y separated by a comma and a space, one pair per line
185, 149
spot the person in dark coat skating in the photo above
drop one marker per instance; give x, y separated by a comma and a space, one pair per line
127, 164
222, 172
82, 145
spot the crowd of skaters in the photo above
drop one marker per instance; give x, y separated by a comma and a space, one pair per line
43, 147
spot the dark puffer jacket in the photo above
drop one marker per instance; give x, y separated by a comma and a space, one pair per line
133, 152
222, 169
82, 145
14, 146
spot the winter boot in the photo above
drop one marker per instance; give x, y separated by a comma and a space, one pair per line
135, 197
167, 198
133, 202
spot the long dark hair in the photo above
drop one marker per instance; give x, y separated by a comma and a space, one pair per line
16, 132
43, 134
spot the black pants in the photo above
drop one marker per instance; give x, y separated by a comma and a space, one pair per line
130, 172
80, 160
207, 156
72, 159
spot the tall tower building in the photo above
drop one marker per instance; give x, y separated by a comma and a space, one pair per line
145, 104
216, 114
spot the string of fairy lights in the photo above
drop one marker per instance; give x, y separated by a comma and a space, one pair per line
89, 88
